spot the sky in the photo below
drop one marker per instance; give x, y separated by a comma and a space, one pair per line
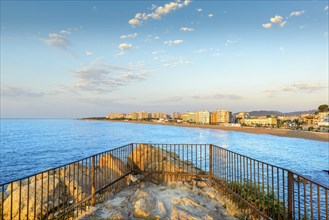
70, 59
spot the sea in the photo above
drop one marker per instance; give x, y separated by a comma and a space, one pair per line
28, 146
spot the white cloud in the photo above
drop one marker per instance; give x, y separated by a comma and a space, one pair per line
157, 12
217, 54
298, 87
227, 96
151, 37
18, 93
59, 41
134, 35
199, 9
173, 42
65, 32
229, 42
326, 8
282, 24
296, 13
201, 50
134, 22
185, 29
276, 19
325, 34
281, 49
210, 15
123, 48
267, 26
88, 53
99, 77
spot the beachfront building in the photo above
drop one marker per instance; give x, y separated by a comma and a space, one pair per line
310, 120
113, 116
240, 116
221, 117
323, 119
260, 121
192, 117
176, 115
185, 117
158, 115
203, 117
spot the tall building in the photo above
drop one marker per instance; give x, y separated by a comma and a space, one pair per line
176, 115
134, 116
192, 117
186, 117
260, 121
221, 116
203, 117
213, 117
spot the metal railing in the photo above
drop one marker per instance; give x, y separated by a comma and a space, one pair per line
65, 192
270, 191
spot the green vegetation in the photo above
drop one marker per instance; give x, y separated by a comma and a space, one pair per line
323, 108
266, 202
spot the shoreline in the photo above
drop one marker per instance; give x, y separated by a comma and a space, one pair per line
316, 136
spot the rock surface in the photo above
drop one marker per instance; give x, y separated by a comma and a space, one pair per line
151, 201
32, 206
146, 157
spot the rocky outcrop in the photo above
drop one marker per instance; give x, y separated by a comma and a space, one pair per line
147, 158
110, 168
33, 198
145, 205
157, 201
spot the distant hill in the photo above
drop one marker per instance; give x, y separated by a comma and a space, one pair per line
300, 112
276, 113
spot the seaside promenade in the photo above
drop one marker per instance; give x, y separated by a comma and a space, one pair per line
317, 136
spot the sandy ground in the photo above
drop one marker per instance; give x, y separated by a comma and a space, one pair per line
317, 136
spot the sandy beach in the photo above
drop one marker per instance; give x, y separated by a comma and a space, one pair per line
317, 136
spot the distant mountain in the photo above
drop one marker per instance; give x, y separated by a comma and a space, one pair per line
300, 112
277, 113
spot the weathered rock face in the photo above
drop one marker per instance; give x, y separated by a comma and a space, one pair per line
77, 180
148, 158
55, 197
185, 208
147, 206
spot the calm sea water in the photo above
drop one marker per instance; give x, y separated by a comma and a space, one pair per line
32, 145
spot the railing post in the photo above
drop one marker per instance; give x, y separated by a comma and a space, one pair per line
132, 158
93, 180
210, 164
290, 194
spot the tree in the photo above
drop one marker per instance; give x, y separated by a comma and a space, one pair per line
323, 108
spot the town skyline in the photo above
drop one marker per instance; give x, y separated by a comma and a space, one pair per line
80, 59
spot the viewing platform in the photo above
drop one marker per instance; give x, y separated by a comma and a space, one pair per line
216, 183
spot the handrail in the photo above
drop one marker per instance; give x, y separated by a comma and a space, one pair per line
274, 192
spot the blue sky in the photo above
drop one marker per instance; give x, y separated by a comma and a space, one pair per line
88, 58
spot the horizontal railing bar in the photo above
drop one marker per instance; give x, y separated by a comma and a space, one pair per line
64, 165
278, 167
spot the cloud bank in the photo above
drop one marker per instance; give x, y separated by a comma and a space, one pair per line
157, 12
99, 77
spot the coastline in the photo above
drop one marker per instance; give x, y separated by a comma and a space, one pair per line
317, 136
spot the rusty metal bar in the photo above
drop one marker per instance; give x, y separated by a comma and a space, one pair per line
290, 194
93, 180
327, 205
311, 201
210, 164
